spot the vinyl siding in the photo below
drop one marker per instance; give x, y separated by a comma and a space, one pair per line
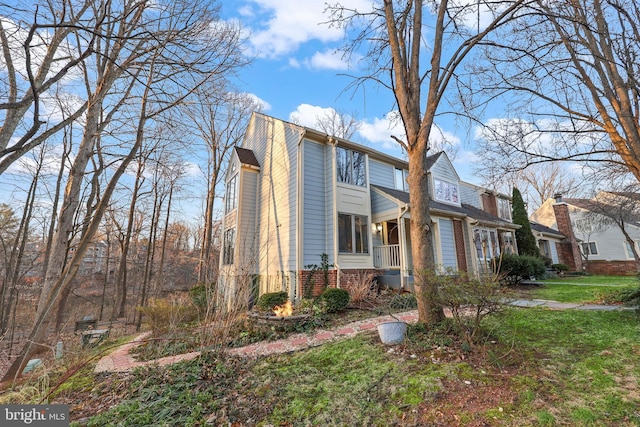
383, 207
314, 213
247, 231
275, 145
554, 252
330, 215
447, 244
469, 195
381, 174
443, 169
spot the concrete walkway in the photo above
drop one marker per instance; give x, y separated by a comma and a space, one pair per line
121, 361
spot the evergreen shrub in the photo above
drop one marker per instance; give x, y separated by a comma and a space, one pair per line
335, 299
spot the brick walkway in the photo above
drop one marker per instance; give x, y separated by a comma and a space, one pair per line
121, 361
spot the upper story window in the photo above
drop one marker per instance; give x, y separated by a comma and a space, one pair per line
446, 191
232, 194
401, 179
350, 166
504, 209
583, 225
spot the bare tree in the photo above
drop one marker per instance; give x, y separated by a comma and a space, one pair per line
36, 41
536, 182
337, 123
147, 59
397, 44
217, 117
568, 75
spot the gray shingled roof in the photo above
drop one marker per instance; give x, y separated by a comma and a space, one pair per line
462, 210
247, 157
544, 229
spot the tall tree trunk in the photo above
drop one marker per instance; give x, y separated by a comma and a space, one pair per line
120, 283
163, 247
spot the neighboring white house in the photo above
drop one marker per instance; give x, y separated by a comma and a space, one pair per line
599, 244
549, 242
296, 195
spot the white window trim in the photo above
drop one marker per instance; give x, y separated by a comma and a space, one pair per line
442, 199
595, 245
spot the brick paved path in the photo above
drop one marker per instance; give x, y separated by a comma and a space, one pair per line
121, 361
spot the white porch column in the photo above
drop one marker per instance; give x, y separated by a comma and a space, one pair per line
403, 244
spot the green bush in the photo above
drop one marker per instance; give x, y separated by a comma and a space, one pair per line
199, 296
560, 267
335, 299
631, 297
515, 268
268, 301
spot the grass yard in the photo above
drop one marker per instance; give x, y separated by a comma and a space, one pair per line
596, 280
533, 367
581, 289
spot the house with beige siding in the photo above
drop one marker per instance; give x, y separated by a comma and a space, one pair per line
296, 197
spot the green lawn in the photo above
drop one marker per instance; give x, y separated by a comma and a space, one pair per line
535, 367
595, 280
583, 289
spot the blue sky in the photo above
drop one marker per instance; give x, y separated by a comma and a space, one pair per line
298, 73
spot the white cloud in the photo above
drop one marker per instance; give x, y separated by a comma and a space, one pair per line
281, 26
328, 60
379, 131
308, 115
264, 105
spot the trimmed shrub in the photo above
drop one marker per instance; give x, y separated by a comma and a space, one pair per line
268, 301
515, 268
560, 268
335, 299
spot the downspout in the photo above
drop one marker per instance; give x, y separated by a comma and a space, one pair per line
403, 247
334, 213
299, 223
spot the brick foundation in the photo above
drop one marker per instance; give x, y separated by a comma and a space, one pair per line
316, 280
612, 268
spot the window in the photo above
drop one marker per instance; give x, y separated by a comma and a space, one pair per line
545, 249
627, 247
353, 234
232, 197
486, 243
583, 225
229, 246
589, 248
350, 167
504, 209
446, 191
401, 180
507, 242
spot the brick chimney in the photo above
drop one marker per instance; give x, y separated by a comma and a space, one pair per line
489, 203
563, 223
